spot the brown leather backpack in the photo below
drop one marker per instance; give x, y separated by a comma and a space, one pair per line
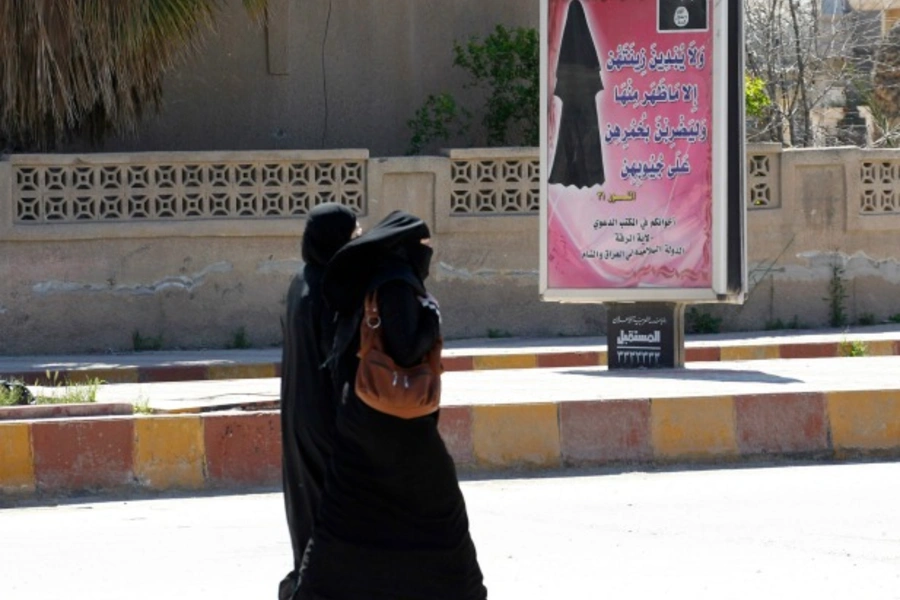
387, 387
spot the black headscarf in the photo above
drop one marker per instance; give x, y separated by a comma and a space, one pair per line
328, 227
392, 249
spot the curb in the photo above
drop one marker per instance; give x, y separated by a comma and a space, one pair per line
227, 450
64, 411
185, 452
456, 362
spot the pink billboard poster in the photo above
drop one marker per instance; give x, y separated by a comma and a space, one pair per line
629, 144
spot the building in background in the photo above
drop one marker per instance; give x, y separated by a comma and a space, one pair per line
323, 74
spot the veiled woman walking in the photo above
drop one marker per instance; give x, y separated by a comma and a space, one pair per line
393, 523
307, 396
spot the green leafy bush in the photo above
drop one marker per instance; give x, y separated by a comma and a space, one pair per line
697, 321
756, 100
144, 343
853, 348
506, 66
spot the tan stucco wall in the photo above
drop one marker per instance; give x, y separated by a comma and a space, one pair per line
873, 4
352, 73
792, 249
87, 287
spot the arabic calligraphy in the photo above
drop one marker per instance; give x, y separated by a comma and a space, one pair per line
630, 337
678, 58
658, 92
625, 57
654, 114
693, 131
661, 93
644, 224
634, 231
625, 94
639, 321
631, 196
626, 254
641, 238
636, 130
640, 357
655, 167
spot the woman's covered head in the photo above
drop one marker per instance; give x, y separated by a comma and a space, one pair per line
398, 228
328, 227
399, 236
384, 249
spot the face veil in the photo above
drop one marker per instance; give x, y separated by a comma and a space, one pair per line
392, 249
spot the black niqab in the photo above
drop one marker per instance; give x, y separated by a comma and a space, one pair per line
579, 156
392, 249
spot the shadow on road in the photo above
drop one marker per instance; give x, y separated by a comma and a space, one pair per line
730, 375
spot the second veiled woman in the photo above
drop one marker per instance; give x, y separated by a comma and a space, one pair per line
307, 397
392, 523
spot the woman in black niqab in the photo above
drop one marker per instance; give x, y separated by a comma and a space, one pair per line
393, 522
307, 396
579, 156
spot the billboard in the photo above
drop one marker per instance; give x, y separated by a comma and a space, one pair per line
642, 151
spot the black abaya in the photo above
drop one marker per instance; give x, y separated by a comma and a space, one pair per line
579, 158
393, 523
307, 396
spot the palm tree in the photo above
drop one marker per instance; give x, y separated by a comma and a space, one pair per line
91, 67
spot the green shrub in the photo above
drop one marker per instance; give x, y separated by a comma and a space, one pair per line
853, 348
141, 343
13, 395
65, 391
867, 319
506, 66
697, 321
756, 100
779, 324
239, 339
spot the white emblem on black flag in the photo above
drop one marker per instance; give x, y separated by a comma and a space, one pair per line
682, 15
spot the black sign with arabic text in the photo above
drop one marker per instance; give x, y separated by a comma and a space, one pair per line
645, 335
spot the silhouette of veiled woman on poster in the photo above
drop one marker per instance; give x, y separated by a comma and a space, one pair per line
579, 158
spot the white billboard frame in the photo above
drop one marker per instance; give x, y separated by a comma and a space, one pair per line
719, 291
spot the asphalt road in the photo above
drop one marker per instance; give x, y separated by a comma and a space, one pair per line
814, 531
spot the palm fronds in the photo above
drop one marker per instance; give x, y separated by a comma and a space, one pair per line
91, 66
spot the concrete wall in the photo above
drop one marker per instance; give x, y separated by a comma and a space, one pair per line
84, 264
323, 74
83, 269
828, 207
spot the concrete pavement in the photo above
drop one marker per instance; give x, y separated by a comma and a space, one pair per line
828, 532
459, 355
212, 433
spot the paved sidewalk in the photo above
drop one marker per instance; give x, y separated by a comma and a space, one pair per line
459, 355
711, 413
556, 385
209, 433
